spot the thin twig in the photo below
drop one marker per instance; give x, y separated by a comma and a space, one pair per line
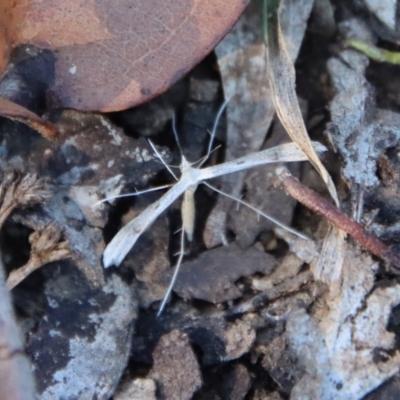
321, 206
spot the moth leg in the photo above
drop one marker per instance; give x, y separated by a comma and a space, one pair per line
175, 275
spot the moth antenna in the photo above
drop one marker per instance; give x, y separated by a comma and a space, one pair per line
259, 212
137, 193
162, 160
174, 276
176, 133
204, 158
214, 129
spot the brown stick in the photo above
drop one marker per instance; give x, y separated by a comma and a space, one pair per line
321, 206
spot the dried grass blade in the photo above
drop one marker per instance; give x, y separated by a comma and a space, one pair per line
329, 265
282, 80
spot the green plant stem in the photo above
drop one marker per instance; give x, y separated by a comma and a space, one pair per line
373, 52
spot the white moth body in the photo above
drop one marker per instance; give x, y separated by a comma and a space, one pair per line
188, 212
187, 207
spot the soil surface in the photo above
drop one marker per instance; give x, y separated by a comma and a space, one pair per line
247, 318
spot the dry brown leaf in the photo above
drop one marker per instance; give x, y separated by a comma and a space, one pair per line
18, 113
111, 55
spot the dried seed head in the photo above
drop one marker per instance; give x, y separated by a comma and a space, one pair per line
46, 248
16, 192
31, 190
46, 244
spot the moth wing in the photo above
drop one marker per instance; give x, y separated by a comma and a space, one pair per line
125, 239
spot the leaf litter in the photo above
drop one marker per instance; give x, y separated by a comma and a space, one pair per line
242, 63
277, 331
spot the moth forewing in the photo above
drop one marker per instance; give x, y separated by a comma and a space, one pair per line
125, 239
288, 152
